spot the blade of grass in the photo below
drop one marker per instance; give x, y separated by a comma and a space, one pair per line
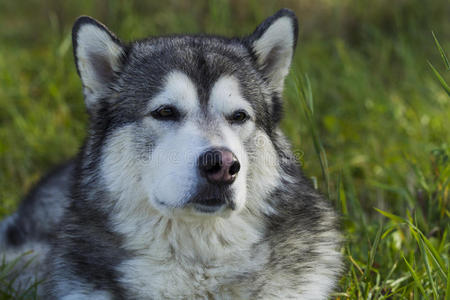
433, 252
372, 251
441, 80
441, 51
393, 217
447, 293
426, 263
443, 240
306, 99
416, 278
340, 194
309, 95
354, 264
389, 230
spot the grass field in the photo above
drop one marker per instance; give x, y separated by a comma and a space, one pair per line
363, 106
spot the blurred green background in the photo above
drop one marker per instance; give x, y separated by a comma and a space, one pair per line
362, 106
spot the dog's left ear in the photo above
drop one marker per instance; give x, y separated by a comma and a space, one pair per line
273, 44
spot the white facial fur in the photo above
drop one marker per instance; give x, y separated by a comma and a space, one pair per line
168, 174
225, 98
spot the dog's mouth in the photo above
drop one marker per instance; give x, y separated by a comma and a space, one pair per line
213, 200
215, 205
208, 209
208, 200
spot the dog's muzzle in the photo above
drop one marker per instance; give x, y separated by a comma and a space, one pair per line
219, 167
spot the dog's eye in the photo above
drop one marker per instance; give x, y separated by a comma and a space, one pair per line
165, 112
239, 117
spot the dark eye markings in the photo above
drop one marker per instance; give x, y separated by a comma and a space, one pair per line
166, 113
171, 113
239, 116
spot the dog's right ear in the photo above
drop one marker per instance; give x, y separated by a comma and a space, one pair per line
99, 56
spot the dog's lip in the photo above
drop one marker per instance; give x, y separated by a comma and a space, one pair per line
213, 201
213, 204
208, 208
207, 205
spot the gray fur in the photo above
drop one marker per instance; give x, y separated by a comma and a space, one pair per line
290, 246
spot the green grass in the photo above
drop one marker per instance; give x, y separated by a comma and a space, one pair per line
367, 107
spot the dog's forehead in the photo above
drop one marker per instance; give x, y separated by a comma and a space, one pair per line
203, 59
190, 54
178, 89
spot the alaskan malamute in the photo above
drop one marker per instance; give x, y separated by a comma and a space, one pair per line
185, 187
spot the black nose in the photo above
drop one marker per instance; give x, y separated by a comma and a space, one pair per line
219, 166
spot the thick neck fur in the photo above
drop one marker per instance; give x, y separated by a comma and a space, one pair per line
203, 241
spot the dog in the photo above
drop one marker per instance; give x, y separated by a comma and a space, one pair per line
185, 187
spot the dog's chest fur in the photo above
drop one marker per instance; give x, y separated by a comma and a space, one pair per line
182, 260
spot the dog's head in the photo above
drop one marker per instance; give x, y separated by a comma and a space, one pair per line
186, 122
